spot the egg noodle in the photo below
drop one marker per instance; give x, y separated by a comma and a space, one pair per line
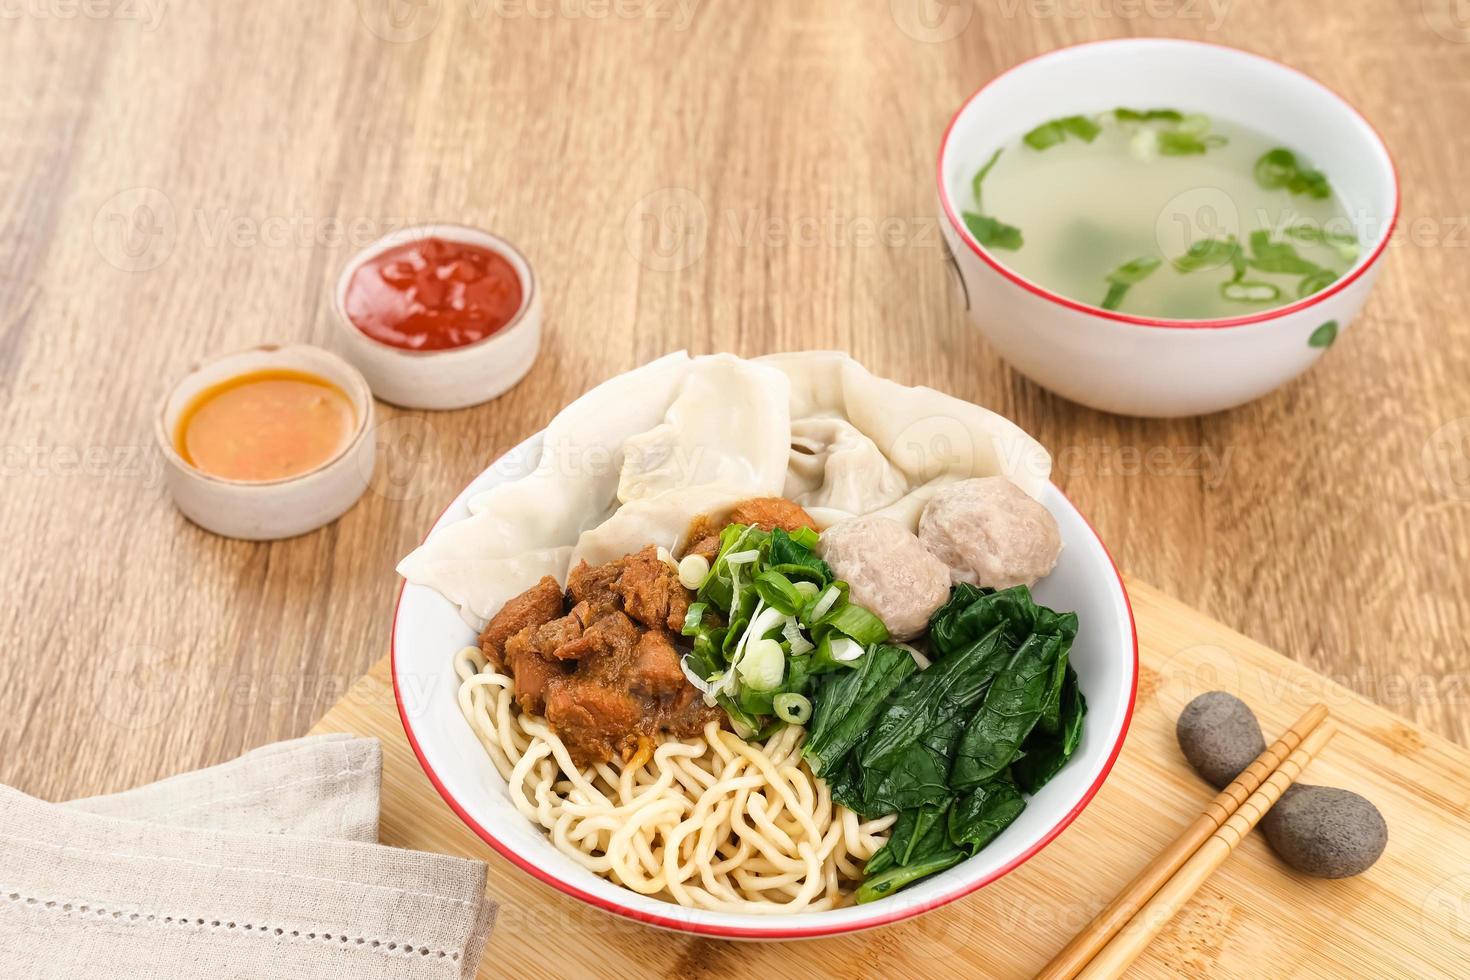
713, 822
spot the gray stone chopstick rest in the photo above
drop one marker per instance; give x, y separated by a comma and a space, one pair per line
1325, 832
1318, 830
1220, 736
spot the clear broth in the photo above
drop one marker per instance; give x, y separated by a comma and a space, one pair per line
1085, 209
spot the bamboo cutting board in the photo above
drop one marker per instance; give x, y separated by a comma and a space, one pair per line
1408, 916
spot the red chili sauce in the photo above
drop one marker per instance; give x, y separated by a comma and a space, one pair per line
433, 294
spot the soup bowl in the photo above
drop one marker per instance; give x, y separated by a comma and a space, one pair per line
1139, 365
427, 631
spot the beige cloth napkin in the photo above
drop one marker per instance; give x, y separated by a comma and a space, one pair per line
266, 867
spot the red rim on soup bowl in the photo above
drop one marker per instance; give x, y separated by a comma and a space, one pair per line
1138, 365
427, 630
451, 364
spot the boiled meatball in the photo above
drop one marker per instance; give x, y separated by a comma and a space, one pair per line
991, 533
888, 572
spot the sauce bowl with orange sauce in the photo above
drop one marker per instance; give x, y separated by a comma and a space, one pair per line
439, 316
269, 442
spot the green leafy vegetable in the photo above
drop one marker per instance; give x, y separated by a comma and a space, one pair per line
794, 557
1125, 276
1045, 753
918, 773
953, 684
972, 612
918, 832
1012, 706
847, 702
992, 232
947, 747
1051, 711
890, 881
978, 817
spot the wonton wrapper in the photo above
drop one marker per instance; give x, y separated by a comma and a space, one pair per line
634, 460
925, 437
525, 529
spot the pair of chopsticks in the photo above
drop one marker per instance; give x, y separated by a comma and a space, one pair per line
1122, 931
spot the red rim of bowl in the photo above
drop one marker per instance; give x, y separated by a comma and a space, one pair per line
743, 932
1144, 321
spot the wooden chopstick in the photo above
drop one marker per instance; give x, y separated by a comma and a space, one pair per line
1134, 937
1085, 945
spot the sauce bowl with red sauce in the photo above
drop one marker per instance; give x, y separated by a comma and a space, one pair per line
439, 316
269, 442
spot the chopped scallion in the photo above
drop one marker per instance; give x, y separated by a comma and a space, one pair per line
800, 645
992, 232
1279, 168
692, 571
778, 592
694, 618
1316, 282
846, 651
1148, 115
1126, 275
794, 709
1049, 134
824, 605
763, 665
1242, 291
856, 622
975, 183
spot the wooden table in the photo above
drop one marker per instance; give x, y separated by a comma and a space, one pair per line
182, 179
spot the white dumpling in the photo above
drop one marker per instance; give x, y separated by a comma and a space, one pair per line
663, 520
928, 436
833, 466
989, 533
728, 426
523, 529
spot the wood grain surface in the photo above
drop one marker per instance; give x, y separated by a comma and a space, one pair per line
1407, 917
183, 179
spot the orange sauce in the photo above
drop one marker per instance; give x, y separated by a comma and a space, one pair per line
265, 425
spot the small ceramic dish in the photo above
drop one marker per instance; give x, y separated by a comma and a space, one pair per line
455, 377
266, 510
1137, 365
